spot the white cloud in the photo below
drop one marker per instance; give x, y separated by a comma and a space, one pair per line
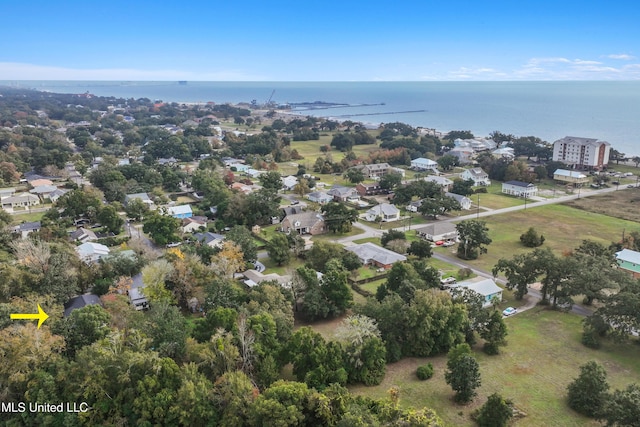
21, 71
622, 56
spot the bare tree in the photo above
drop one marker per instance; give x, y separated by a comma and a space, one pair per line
246, 340
35, 254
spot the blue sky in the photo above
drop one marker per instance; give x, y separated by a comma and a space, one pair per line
320, 40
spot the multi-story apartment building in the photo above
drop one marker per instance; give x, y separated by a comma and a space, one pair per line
581, 153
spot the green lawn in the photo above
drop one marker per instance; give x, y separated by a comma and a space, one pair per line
333, 236
27, 217
543, 356
563, 227
271, 266
495, 201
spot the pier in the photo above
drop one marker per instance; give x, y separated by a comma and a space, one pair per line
380, 114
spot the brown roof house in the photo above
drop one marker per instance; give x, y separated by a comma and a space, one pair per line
304, 223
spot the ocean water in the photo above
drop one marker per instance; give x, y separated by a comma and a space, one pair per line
608, 111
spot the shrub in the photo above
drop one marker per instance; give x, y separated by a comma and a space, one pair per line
464, 273
531, 239
425, 372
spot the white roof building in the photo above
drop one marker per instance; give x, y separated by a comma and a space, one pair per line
90, 252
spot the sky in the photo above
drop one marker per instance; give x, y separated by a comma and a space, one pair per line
329, 40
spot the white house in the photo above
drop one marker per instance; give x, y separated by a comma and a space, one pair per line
143, 197
423, 164
386, 211
212, 240
26, 228
464, 154
581, 153
445, 183
519, 188
288, 182
465, 202
438, 231
486, 287
20, 200
193, 224
91, 252
477, 175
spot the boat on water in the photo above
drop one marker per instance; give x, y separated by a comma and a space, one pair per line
182, 82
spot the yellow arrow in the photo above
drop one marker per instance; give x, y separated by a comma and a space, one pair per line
41, 316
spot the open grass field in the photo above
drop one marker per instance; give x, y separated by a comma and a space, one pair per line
624, 204
333, 236
494, 201
563, 227
27, 217
542, 358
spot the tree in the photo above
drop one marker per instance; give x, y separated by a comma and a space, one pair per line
390, 180
338, 217
494, 333
636, 160
242, 236
390, 235
463, 373
462, 187
229, 260
271, 180
420, 248
473, 236
622, 408
354, 175
136, 209
278, 249
161, 228
364, 351
77, 203
447, 162
335, 288
343, 141
588, 393
154, 276
109, 218
84, 326
496, 412
167, 327
531, 238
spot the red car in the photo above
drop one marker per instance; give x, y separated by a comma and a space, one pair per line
440, 243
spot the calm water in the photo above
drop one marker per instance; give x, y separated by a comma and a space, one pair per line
608, 111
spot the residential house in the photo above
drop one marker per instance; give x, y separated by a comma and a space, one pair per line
465, 202
193, 224
57, 193
169, 161
40, 181
83, 235
414, 206
386, 211
570, 177
242, 188
487, 288
504, 153
180, 211
463, 154
319, 197
375, 170
26, 228
370, 189
445, 183
210, 239
91, 252
582, 153
144, 197
519, 188
304, 223
424, 164
136, 296
629, 261
79, 302
343, 194
7, 192
438, 231
43, 190
372, 254
288, 182
254, 278
291, 210
20, 200
253, 173
239, 167
477, 175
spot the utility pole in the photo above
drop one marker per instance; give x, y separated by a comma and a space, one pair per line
478, 210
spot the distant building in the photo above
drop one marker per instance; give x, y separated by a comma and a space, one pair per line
519, 188
319, 197
570, 177
374, 170
288, 182
304, 223
445, 183
143, 197
582, 153
629, 261
370, 189
193, 224
91, 252
386, 211
477, 175
438, 231
213, 240
464, 201
20, 200
26, 228
487, 288
180, 211
343, 194
372, 254
83, 235
424, 164
80, 301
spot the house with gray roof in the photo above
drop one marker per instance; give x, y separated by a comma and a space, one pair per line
465, 202
519, 188
386, 211
443, 182
477, 175
374, 170
213, 240
144, 197
438, 231
83, 235
372, 254
487, 288
343, 194
309, 222
80, 301
319, 197
20, 200
26, 228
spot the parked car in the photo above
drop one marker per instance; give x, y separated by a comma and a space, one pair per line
630, 186
449, 243
440, 243
509, 311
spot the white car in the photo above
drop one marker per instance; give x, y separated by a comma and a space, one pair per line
509, 311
